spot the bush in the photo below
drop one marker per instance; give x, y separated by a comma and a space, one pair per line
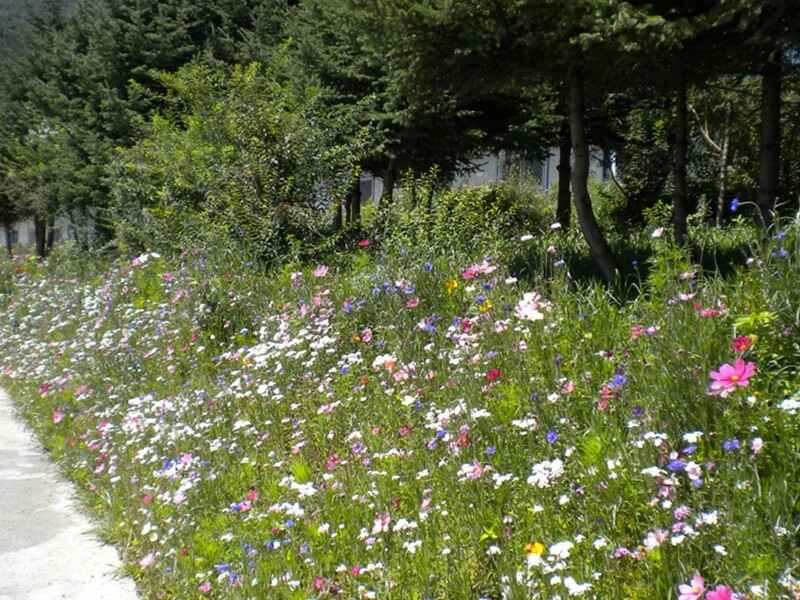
427, 220
243, 153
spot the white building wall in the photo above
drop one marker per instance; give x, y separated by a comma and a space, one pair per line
492, 169
23, 232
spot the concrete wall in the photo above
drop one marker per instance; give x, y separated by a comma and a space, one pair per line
493, 168
23, 232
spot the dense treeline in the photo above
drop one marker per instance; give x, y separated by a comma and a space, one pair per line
252, 120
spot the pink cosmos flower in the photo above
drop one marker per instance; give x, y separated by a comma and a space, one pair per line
741, 343
412, 303
364, 243
729, 377
147, 560
320, 271
204, 587
58, 416
694, 590
721, 592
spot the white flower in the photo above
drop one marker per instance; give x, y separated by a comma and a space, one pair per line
720, 549
532, 307
526, 238
693, 437
412, 547
560, 550
657, 233
576, 589
545, 472
790, 405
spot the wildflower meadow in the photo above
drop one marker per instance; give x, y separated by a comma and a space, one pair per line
391, 425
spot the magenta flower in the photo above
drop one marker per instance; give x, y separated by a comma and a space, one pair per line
320, 271
729, 377
741, 343
721, 592
694, 590
58, 416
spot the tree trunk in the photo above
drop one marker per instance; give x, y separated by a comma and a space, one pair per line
724, 161
348, 204
680, 202
9, 243
337, 215
389, 180
355, 206
770, 145
51, 233
40, 232
580, 174
563, 207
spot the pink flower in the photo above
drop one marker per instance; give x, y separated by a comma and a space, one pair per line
729, 377
694, 590
721, 592
366, 335
147, 560
412, 303
58, 416
493, 375
204, 587
741, 343
364, 243
320, 271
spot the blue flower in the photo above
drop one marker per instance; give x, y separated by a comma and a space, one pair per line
731, 445
552, 437
491, 450
618, 381
428, 267
735, 204
676, 466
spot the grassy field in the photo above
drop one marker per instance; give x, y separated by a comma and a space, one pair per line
391, 426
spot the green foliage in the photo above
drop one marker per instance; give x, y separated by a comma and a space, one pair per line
427, 220
244, 153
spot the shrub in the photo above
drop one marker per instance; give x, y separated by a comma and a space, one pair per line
243, 153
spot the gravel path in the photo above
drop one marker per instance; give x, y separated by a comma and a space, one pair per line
47, 550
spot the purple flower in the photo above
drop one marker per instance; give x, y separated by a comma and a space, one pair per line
676, 466
552, 437
731, 445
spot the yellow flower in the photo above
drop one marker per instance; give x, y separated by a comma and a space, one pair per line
450, 285
486, 306
534, 549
